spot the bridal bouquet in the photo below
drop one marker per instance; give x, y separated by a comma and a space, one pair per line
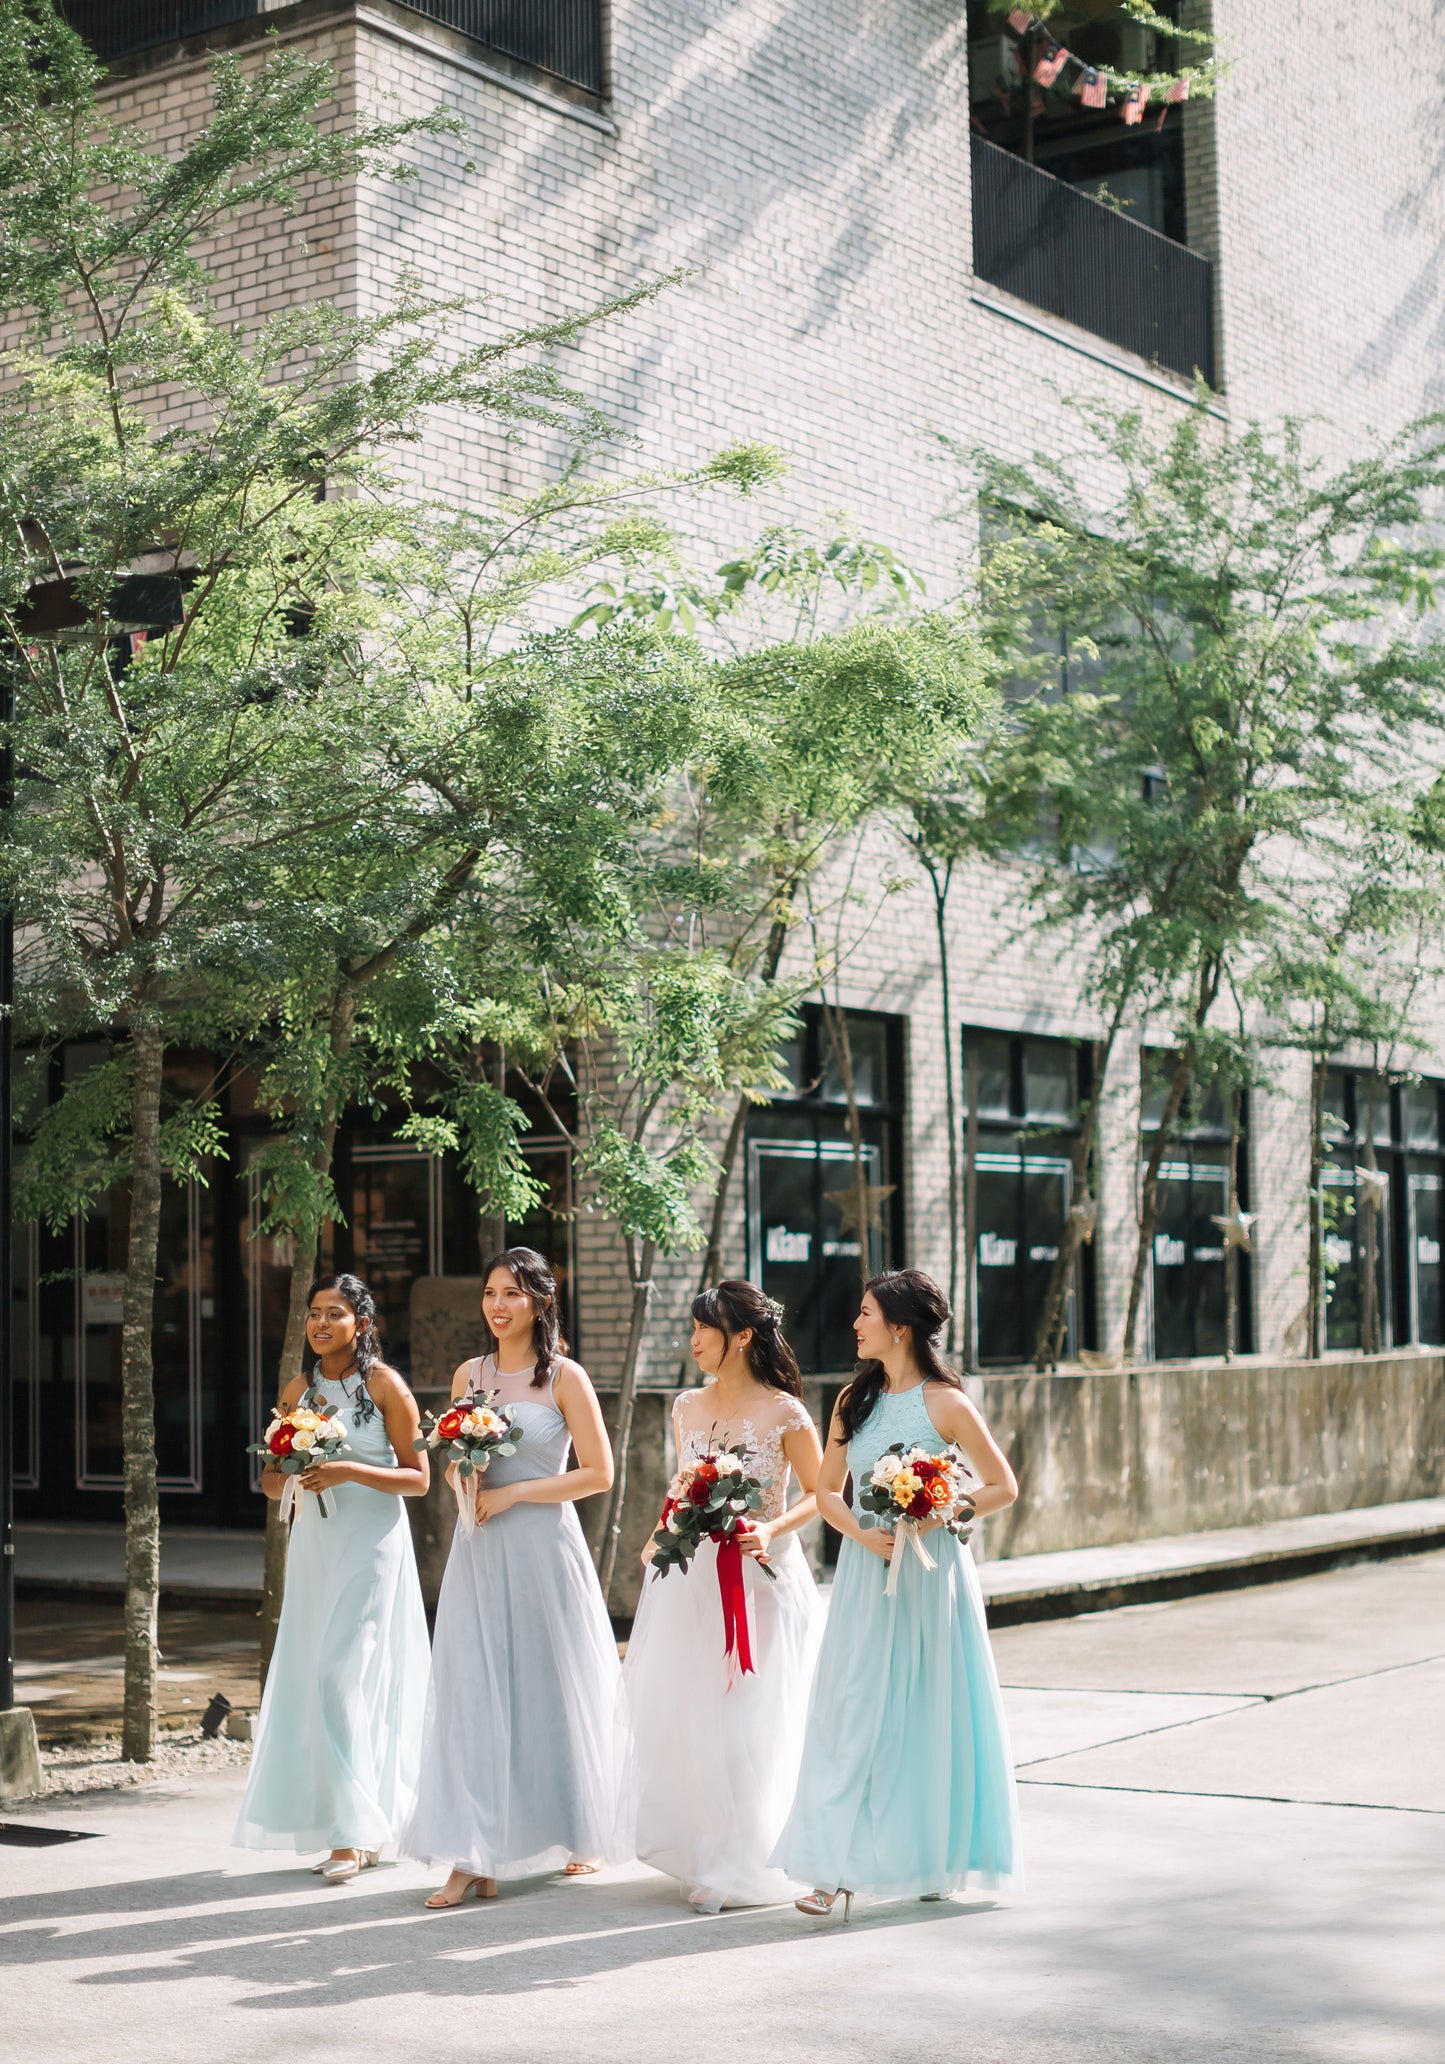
296, 1439
469, 1433
908, 1485
711, 1500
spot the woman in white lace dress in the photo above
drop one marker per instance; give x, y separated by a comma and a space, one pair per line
714, 1748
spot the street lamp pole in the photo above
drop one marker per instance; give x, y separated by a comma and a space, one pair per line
7, 1242
19, 1756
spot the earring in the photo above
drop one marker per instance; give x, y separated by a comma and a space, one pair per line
897, 1337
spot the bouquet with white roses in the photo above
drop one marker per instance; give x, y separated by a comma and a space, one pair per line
294, 1440
712, 1499
469, 1433
908, 1485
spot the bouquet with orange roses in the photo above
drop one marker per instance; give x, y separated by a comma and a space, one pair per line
469, 1433
294, 1440
908, 1485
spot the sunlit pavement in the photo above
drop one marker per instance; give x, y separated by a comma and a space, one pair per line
1234, 1813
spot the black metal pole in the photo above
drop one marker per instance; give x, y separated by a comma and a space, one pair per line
7, 1240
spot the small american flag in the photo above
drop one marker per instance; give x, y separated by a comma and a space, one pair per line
1051, 64
1134, 101
1178, 90
1020, 21
1093, 90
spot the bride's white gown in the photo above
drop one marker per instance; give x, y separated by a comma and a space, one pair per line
714, 1753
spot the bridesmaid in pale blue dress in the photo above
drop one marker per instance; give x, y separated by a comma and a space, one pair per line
906, 1787
338, 1744
520, 1772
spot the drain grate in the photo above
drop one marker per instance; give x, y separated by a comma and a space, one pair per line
19, 1836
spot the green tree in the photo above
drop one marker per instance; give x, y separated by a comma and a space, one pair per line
172, 792
1246, 657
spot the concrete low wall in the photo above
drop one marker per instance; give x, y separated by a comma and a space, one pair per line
1175, 1448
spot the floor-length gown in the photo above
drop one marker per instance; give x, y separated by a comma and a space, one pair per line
906, 1785
519, 1773
338, 1742
714, 1751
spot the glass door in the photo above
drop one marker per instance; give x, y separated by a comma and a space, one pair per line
1427, 1320
1023, 1205
804, 1244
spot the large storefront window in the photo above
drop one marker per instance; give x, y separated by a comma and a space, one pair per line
221, 1300
806, 1245
1190, 1258
1409, 1143
1028, 1106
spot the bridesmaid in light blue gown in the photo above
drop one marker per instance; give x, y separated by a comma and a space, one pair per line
906, 1787
338, 1744
520, 1770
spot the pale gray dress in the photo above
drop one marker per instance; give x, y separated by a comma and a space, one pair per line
519, 1771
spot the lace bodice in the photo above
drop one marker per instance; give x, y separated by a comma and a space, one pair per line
697, 1430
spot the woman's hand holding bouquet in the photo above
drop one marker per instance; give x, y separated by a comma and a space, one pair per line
910, 1489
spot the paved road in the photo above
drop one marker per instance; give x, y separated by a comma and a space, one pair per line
1235, 1824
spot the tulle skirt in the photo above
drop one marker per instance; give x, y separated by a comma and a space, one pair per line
907, 1783
520, 1767
714, 1752
338, 1741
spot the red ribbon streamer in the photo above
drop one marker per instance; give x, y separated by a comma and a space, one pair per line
734, 1602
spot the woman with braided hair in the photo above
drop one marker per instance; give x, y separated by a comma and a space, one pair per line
716, 1723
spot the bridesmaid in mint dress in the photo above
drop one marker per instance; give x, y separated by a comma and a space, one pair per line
906, 1787
338, 1744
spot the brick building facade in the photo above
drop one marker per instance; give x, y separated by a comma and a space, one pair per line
814, 169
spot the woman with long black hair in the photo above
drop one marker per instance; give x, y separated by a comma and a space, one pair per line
338, 1743
519, 1775
716, 1729
907, 1785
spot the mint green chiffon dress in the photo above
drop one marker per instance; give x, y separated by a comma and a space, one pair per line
906, 1786
338, 1741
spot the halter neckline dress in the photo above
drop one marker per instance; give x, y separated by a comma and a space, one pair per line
907, 1783
338, 1741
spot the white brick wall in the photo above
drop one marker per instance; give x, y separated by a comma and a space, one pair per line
811, 166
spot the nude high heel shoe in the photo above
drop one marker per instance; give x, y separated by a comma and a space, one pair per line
480, 1888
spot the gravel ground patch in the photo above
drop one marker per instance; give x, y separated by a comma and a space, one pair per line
96, 1766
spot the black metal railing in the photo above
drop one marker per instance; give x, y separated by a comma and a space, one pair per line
1063, 252
114, 28
563, 37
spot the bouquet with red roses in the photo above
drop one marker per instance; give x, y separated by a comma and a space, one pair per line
908, 1485
294, 1440
469, 1433
711, 1499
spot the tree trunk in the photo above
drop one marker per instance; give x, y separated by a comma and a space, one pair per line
712, 1258
293, 1345
626, 1403
138, 1415
1314, 1294
1371, 1331
835, 1024
950, 1094
970, 1208
1049, 1344
1231, 1251
1149, 1195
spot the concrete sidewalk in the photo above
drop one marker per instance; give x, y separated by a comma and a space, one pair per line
217, 1566
1233, 1815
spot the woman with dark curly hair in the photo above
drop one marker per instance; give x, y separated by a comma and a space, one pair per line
338, 1743
907, 1783
715, 1739
519, 1772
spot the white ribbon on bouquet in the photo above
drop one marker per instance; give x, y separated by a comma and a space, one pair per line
465, 1489
904, 1535
293, 1491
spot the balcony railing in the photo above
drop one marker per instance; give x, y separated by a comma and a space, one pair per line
563, 37
1071, 256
